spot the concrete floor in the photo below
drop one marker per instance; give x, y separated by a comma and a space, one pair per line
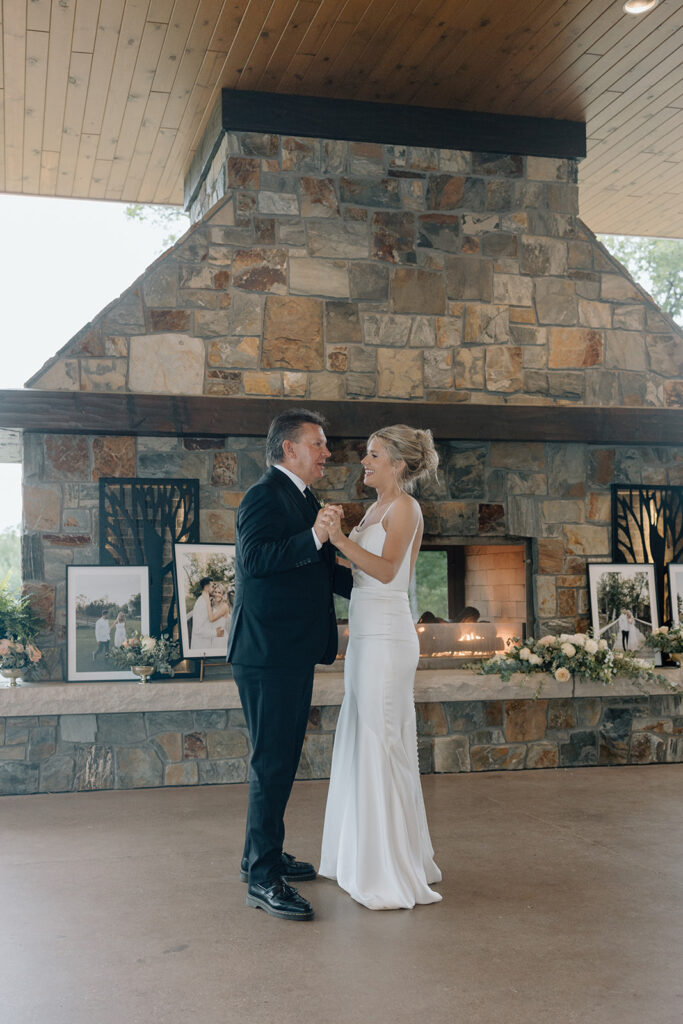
562, 903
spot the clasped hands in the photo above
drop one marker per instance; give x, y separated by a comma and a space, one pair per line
327, 523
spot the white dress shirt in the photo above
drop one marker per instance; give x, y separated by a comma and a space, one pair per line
302, 487
102, 630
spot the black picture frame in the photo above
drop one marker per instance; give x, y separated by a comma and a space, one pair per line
675, 575
114, 587
642, 591
191, 562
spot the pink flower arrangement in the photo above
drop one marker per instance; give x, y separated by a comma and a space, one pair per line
14, 654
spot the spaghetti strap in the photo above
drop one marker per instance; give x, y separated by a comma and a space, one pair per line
386, 510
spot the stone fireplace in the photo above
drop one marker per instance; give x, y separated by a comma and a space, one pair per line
332, 273
325, 271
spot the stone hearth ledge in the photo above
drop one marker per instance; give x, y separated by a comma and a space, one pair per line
58, 698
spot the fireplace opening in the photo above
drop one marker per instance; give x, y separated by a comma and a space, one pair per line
467, 600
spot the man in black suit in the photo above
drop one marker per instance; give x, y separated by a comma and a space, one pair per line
283, 624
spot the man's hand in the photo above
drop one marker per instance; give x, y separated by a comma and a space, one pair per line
328, 515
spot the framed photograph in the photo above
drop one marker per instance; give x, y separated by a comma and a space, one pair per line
205, 584
676, 592
105, 604
624, 605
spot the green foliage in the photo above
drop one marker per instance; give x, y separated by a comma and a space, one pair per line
10, 556
656, 264
17, 618
92, 609
157, 651
218, 567
572, 657
172, 218
616, 593
668, 639
431, 578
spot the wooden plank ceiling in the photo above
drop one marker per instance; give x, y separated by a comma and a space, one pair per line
107, 99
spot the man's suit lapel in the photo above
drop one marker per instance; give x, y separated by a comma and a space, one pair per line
299, 505
294, 496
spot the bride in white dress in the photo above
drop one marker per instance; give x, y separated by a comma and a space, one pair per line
376, 841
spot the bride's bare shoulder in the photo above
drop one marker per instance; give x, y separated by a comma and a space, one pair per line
407, 508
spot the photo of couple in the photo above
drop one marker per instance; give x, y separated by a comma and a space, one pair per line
205, 577
623, 604
106, 604
291, 556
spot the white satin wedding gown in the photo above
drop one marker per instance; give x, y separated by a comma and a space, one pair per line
375, 840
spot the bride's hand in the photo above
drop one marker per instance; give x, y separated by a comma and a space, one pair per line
333, 520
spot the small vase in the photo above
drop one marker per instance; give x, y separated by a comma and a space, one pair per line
13, 674
144, 671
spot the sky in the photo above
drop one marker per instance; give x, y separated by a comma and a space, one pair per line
62, 261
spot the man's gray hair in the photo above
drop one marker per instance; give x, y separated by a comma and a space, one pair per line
286, 427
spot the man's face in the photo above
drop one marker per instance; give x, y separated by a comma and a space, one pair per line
308, 454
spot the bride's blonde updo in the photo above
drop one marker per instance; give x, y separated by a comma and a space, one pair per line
414, 447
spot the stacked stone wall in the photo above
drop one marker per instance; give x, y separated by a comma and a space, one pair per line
556, 494
65, 753
334, 270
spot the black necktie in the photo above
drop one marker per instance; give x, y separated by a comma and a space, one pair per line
312, 500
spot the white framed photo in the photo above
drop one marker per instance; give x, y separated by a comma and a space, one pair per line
205, 585
676, 592
105, 605
623, 605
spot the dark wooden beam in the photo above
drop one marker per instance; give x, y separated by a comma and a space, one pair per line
80, 412
391, 123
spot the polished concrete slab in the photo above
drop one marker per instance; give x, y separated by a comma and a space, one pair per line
562, 903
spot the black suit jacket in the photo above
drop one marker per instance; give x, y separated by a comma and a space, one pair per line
283, 613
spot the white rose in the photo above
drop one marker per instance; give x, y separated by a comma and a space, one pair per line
563, 675
524, 654
602, 644
591, 646
579, 639
545, 640
535, 660
568, 649
147, 643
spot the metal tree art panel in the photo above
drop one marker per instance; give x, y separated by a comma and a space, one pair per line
140, 521
647, 526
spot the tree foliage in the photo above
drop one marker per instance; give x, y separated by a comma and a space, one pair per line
617, 593
10, 557
656, 264
17, 618
172, 218
431, 573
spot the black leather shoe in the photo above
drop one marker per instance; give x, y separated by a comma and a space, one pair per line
279, 900
292, 870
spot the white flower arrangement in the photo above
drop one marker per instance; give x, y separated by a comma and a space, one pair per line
572, 656
668, 639
158, 652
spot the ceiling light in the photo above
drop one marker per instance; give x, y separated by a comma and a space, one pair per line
640, 6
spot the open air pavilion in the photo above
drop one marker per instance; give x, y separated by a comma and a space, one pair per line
394, 210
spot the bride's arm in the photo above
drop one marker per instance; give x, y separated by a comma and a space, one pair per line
218, 612
400, 522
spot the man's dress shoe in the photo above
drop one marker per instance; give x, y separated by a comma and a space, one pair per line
292, 870
280, 900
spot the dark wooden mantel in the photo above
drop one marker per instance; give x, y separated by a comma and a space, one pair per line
78, 412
